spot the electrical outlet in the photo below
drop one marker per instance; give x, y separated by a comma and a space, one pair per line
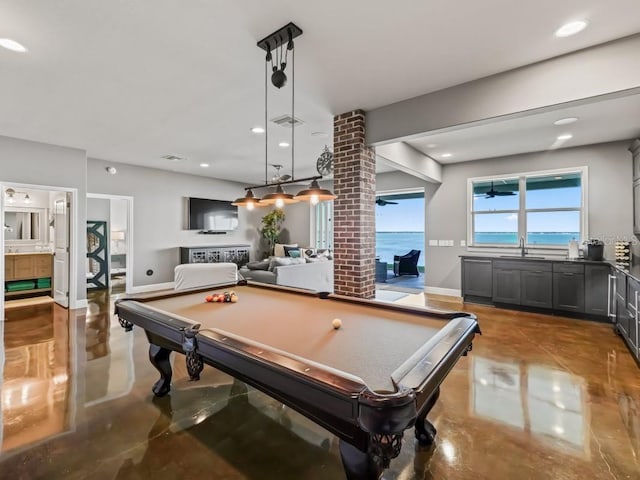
463, 243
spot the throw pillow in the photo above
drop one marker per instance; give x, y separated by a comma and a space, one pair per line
285, 261
324, 253
261, 265
308, 252
293, 252
316, 259
278, 249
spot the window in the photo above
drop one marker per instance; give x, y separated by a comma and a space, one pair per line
545, 208
323, 233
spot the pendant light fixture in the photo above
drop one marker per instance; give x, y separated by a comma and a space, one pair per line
277, 47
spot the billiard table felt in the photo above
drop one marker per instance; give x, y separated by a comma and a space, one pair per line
371, 343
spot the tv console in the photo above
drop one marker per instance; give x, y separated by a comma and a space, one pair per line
238, 254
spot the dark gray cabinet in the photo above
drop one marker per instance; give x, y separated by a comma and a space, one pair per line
477, 278
536, 289
568, 292
506, 285
238, 254
633, 290
596, 278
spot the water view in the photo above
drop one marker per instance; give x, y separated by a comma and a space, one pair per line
389, 244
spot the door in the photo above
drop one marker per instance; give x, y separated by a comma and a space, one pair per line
537, 289
61, 251
477, 278
568, 292
506, 286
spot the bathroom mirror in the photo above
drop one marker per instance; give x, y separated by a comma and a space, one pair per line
23, 225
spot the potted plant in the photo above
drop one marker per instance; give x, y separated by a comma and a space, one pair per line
270, 231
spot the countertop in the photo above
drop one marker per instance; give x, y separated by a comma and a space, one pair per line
539, 258
13, 254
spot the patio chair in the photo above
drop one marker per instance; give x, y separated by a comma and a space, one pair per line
406, 264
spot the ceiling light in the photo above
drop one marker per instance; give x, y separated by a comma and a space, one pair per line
571, 28
315, 194
27, 199
204, 165
281, 42
432, 145
111, 170
278, 198
565, 121
12, 45
10, 192
565, 136
446, 155
249, 201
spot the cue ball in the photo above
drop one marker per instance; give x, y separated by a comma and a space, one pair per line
337, 323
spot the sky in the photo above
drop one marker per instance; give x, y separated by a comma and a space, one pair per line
406, 216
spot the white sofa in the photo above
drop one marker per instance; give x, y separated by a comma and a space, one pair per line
317, 276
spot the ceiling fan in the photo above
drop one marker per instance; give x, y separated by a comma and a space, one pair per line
382, 202
495, 193
277, 177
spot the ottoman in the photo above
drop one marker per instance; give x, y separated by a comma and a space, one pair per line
194, 275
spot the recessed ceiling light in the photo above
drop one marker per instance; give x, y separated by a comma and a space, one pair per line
446, 155
432, 145
257, 130
12, 45
566, 121
571, 28
319, 134
283, 144
565, 136
204, 165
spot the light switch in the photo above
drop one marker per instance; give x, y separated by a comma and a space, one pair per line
463, 243
433, 243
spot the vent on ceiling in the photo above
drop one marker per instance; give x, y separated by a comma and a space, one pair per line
287, 121
172, 158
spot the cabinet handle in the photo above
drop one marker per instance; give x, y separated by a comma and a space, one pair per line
567, 274
477, 261
610, 291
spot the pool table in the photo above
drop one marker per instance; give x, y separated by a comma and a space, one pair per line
366, 382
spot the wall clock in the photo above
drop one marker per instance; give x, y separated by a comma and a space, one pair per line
324, 164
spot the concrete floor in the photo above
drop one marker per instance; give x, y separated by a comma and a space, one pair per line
539, 397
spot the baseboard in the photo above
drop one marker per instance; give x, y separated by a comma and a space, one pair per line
153, 287
451, 292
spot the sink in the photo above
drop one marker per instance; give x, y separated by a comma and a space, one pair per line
526, 257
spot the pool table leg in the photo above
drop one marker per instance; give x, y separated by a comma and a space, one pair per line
425, 431
358, 465
159, 358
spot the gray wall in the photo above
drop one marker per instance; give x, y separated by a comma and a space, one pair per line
159, 223
588, 73
99, 209
22, 161
610, 200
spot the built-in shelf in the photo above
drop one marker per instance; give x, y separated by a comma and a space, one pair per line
31, 291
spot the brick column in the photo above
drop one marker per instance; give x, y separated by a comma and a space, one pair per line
354, 227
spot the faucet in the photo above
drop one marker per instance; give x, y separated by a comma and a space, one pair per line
523, 252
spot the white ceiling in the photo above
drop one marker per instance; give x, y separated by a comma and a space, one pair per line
132, 81
603, 121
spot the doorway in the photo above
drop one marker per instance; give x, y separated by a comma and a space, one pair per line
400, 240
37, 245
116, 212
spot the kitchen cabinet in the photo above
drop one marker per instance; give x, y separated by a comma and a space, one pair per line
477, 278
596, 278
28, 267
633, 290
506, 285
635, 151
536, 289
568, 292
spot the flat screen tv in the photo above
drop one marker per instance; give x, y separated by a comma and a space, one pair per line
212, 215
